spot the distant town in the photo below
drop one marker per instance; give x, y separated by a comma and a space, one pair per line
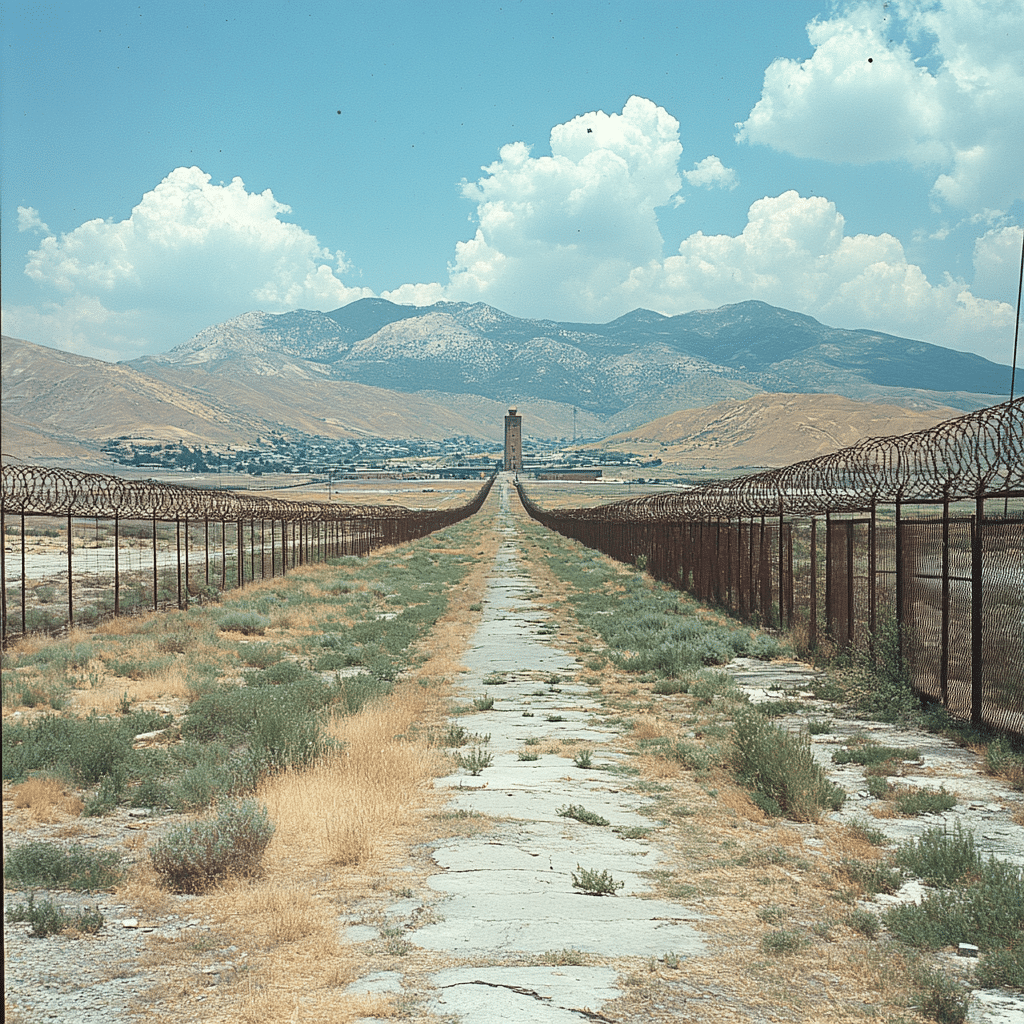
348, 458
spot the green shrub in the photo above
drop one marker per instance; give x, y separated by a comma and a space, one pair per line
260, 655
47, 918
780, 765
863, 921
939, 857
1002, 968
943, 999
887, 694
82, 750
199, 854
62, 656
49, 866
694, 756
879, 787
246, 623
875, 754
870, 834
988, 912
912, 801
781, 941
670, 687
871, 876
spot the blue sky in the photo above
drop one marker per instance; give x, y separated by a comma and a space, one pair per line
169, 166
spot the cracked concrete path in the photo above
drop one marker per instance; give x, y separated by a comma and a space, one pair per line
508, 894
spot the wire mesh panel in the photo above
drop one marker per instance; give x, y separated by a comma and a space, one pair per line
922, 619
1003, 623
959, 629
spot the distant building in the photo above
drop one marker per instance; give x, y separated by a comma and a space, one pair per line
513, 441
570, 474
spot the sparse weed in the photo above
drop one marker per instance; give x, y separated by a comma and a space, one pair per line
595, 883
583, 758
564, 957
580, 813
475, 761
47, 918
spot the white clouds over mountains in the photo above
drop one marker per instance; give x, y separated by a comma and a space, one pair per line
575, 235
190, 253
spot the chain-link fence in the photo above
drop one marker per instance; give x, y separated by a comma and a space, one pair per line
918, 539
80, 546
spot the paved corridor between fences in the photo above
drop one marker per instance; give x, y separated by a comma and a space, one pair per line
512, 889
508, 893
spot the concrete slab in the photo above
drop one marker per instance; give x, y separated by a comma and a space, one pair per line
380, 983
546, 995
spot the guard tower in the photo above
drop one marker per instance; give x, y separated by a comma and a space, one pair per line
513, 441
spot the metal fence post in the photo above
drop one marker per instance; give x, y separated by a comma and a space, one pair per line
117, 568
812, 633
977, 610
944, 646
156, 577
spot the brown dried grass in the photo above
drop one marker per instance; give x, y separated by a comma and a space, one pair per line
46, 800
648, 727
345, 809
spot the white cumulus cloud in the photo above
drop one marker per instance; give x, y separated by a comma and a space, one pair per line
29, 220
711, 173
939, 85
212, 250
794, 252
559, 231
997, 260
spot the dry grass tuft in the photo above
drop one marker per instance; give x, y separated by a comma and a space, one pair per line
273, 998
349, 805
47, 800
143, 890
647, 727
279, 914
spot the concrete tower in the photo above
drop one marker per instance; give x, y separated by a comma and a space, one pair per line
513, 441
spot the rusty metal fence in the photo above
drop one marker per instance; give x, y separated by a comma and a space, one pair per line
104, 545
921, 535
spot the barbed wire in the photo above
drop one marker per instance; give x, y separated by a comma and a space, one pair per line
974, 456
40, 490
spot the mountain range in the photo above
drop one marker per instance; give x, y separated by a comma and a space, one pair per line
451, 369
627, 372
